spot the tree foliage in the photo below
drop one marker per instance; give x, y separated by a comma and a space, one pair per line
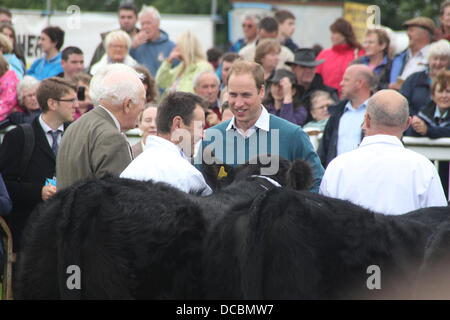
393, 12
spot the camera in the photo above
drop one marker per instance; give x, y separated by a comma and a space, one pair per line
81, 93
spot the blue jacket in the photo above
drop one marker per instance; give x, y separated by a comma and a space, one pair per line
151, 54
42, 68
291, 45
398, 64
16, 65
416, 89
434, 129
232, 149
238, 45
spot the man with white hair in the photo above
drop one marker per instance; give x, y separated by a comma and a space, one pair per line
94, 145
382, 175
250, 29
151, 46
206, 85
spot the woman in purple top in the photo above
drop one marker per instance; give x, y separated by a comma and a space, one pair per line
280, 98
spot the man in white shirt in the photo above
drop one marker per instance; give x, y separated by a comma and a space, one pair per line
381, 174
180, 121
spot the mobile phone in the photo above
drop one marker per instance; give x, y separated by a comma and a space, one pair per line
81, 94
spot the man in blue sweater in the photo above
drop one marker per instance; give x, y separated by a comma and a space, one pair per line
151, 46
253, 131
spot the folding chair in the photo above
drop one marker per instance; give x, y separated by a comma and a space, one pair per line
5, 233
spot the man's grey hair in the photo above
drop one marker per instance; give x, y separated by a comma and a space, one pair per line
200, 74
149, 10
28, 82
115, 92
388, 115
252, 16
439, 48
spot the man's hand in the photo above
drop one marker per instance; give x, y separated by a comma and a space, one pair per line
419, 125
140, 38
48, 192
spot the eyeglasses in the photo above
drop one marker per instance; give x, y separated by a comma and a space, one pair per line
322, 107
244, 25
30, 95
118, 46
73, 101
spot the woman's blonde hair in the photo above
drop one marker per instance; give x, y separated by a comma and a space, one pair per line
190, 48
118, 35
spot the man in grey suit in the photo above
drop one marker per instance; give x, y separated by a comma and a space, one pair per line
94, 145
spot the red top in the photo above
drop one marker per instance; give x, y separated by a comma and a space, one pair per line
337, 59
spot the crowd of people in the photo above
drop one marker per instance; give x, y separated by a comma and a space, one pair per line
359, 98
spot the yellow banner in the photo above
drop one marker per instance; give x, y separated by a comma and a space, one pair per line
356, 14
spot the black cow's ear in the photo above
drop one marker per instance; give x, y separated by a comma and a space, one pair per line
210, 173
299, 175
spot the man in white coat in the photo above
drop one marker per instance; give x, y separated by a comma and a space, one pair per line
179, 123
381, 174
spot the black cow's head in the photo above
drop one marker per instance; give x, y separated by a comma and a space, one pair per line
296, 175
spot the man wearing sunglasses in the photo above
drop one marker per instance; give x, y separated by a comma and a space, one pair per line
28, 154
250, 29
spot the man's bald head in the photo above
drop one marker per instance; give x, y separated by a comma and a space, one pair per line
364, 73
358, 80
388, 112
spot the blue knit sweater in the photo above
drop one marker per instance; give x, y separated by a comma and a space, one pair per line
284, 139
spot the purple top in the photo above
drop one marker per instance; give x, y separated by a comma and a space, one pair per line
288, 112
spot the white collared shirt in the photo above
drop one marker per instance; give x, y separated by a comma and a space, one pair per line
46, 129
262, 123
117, 123
384, 176
415, 63
164, 161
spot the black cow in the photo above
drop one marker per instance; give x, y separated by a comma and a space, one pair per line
250, 240
130, 239
299, 245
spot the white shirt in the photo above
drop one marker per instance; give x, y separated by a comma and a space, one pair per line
262, 123
415, 63
163, 161
46, 129
383, 176
116, 122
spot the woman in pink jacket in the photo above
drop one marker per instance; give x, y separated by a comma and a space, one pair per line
8, 91
345, 49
